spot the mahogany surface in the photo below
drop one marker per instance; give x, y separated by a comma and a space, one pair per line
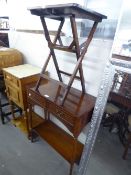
76, 111
65, 10
60, 140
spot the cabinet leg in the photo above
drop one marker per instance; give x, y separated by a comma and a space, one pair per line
1, 112
12, 109
31, 136
73, 155
2, 118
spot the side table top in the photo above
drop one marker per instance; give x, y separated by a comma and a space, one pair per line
77, 103
65, 10
22, 71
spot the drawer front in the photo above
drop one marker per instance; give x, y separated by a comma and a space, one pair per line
64, 116
60, 113
11, 79
37, 99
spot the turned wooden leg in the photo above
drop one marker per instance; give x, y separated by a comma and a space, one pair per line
71, 169
30, 136
27, 123
1, 114
73, 155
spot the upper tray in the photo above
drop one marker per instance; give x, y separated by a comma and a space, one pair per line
60, 11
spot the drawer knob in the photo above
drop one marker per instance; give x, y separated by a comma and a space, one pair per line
8, 77
59, 113
29, 94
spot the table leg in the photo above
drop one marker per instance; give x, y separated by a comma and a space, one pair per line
73, 155
12, 109
30, 122
27, 123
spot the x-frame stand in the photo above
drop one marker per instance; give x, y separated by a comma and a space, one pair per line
74, 121
74, 47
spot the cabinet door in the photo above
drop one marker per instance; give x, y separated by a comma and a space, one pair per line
14, 94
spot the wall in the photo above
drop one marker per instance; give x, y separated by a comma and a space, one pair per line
3, 8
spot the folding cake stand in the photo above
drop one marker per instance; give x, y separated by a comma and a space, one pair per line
69, 105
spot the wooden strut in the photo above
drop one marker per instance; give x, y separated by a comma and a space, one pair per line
57, 37
77, 48
87, 43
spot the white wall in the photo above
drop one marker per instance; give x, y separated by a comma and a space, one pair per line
124, 33
35, 50
110, 8
3, 8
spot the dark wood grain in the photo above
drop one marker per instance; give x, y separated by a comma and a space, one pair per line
76, 110
66, 10
59, 140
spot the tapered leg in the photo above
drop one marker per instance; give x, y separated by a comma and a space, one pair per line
1, 113
71, 169
73, 155
27, 123
30, 136
12, 109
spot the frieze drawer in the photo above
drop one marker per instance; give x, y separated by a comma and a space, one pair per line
38, 99
61, 113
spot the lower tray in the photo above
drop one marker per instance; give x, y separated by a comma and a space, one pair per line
60, 140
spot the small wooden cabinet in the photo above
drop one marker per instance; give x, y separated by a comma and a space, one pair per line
16, 79
8, 57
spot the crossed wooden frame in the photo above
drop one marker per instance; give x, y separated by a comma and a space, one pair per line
74, 47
